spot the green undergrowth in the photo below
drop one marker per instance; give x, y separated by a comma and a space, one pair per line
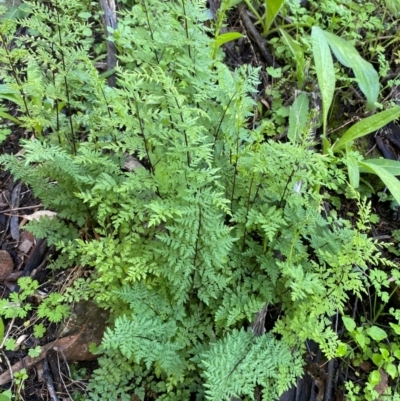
213, 223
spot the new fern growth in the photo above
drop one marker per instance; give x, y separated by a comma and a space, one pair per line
187, 249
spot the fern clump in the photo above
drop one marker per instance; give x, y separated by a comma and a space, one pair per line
212, 225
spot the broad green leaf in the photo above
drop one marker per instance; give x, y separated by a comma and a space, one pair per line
387, 178
392, 166
391, 369
376, 333
366, 126
341, 350
325, 70
226, 37
298, 116
84, 15
360, 340
384, 352
393, 6
377, 359
395, 327
374, 378
272, 8
6, 396
397, 353
349, 323
366, 75
298, 55
353, 170
87, 31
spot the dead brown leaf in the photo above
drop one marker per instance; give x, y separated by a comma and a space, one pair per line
40, 213
6, 264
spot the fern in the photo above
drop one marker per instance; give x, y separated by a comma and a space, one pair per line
233, 366
216, 223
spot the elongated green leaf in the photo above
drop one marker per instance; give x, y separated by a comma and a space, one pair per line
272, 8
392, 166
293, 45
353, 171
388, 179
9, 93
366, 75
298, 115
366, 126
6, 89
393, 6
227, 37
234, 3
8, 116
325, 70
298, 54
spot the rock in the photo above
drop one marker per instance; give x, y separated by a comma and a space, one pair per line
88, 321
6, 265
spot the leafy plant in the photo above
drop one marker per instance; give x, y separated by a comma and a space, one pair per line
191, 219
18, 305
222, 38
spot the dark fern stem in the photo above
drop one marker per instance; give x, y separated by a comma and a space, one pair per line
73, 138
150, 30
247, 211
186, 27
144, 138
53, 74
108, 110
196, 250
158, 62
286, 187
222, 120
184, 134
235, 171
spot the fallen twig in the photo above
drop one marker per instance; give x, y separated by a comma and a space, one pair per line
110, 20
49, 380
58, 345
258, 39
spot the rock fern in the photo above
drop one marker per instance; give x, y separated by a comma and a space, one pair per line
213, 223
